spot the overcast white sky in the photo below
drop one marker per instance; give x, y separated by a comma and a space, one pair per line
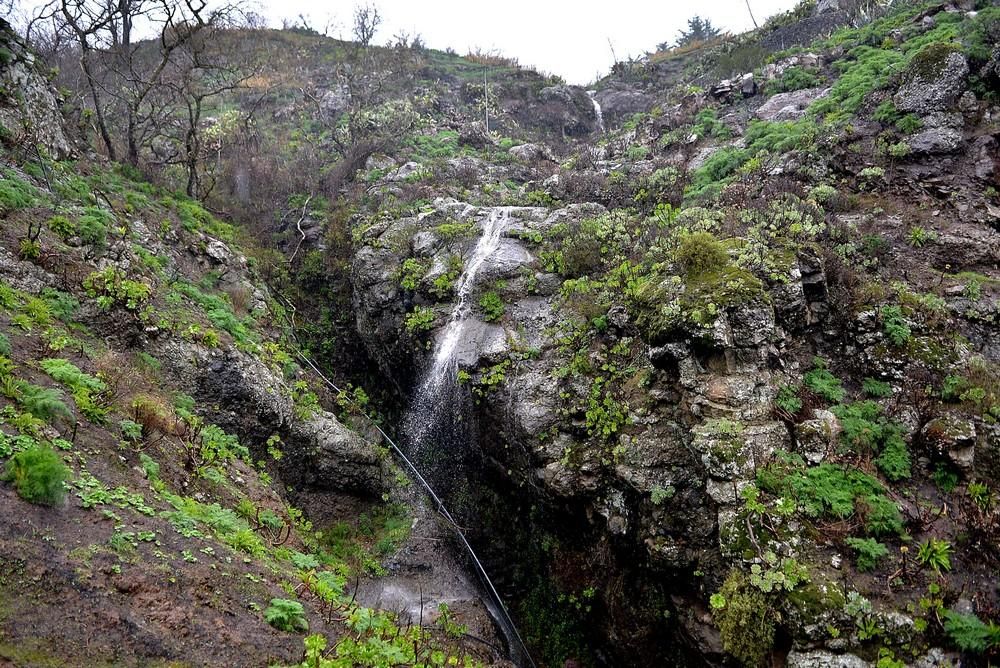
558, 37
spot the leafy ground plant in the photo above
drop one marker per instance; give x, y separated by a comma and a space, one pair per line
286, 615
38, 475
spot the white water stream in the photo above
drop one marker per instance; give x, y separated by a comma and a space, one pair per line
428, 400
597, 110
434, 397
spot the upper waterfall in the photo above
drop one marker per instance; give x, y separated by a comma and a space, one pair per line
598, 113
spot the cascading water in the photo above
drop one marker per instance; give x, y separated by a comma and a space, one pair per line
426, 419
429, 401
598, 113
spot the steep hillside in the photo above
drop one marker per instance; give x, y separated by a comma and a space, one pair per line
704, 362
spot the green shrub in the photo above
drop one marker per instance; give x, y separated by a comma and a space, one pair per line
701, 252
411, 272
44, 403
38, 475
867, 431
92, 227
788, 400
792, 79
865, 69
868, 552
109, 286
5, 347
29, 250
62, 304
15, 193
707, 124
86, 389
286, 615
420, 319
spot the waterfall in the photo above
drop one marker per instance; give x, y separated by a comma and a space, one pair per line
426, 420
592, 94
430, 399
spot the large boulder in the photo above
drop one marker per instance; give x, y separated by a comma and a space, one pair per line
933, 141
934, 81
244, 396
790, 106
567, 109
334, 102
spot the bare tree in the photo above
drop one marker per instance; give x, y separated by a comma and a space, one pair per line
208, 66
141, 92
367, 20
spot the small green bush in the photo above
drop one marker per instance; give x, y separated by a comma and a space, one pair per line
44, 403
286, 615
788, 400
867, 431
420, 319
92, 227
701, 252
62, 226
5, 347
824, 384
492, 306
15, 193
38, 475
868, 552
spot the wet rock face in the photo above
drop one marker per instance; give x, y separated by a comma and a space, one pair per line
663, 490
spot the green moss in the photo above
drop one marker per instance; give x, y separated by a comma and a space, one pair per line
929, 62
745, 619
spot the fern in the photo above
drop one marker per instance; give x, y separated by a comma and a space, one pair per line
67, 373
44, 403
824, 383
868, 552
969, 633
286, 615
